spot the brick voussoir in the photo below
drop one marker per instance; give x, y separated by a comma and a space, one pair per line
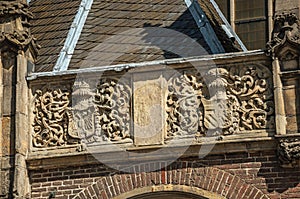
210, 179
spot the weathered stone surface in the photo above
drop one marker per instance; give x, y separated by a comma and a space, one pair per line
286, 5
113, 110
292, 63
16, 41
9, 81
7, 129
285, 37
290, 99
292, 124
149, 108
4, 186
53, 119
15, 32
291, 104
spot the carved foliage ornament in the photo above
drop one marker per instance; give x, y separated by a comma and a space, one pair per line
184, 105
113, 109
13, 8
286, 30
98, 116
53, 125
229, 100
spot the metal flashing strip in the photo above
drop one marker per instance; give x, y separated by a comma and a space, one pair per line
227, 27
205, 28
73, 36
121, 67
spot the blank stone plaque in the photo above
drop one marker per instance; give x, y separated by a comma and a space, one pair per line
148, 108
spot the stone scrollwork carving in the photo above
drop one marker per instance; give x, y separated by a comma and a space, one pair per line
184, 106
112, 101
226, 101
250, 95
98, 116
53, 121
289, 151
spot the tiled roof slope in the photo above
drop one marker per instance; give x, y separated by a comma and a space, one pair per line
123, 18
121, 31
50, 26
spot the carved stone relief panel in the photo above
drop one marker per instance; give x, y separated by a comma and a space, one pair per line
249, 89
53, 124
113, 106
92, 113
226, 100
184, 105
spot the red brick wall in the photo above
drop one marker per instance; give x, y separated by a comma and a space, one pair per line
241, 175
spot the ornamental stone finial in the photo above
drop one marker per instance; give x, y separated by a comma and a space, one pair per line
15, 27
286, 33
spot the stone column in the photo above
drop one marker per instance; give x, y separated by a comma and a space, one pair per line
15, 42
284, 50
280, 117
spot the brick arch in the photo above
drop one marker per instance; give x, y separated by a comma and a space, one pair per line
187, 174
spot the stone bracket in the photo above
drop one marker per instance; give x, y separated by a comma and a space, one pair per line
288, 150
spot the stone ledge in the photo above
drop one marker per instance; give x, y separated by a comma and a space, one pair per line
92, 156
227, 58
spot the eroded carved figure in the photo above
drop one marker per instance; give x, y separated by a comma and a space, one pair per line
53, 121
14, 31
286, 30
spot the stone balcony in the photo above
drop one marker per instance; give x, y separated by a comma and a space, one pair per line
175, 103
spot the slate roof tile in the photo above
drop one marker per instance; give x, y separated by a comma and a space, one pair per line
51, 24
109, 35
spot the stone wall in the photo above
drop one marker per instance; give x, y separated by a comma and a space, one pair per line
234, 175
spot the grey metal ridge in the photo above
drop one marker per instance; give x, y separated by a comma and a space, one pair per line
121, 67
205, 28
74, 33
227, 27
